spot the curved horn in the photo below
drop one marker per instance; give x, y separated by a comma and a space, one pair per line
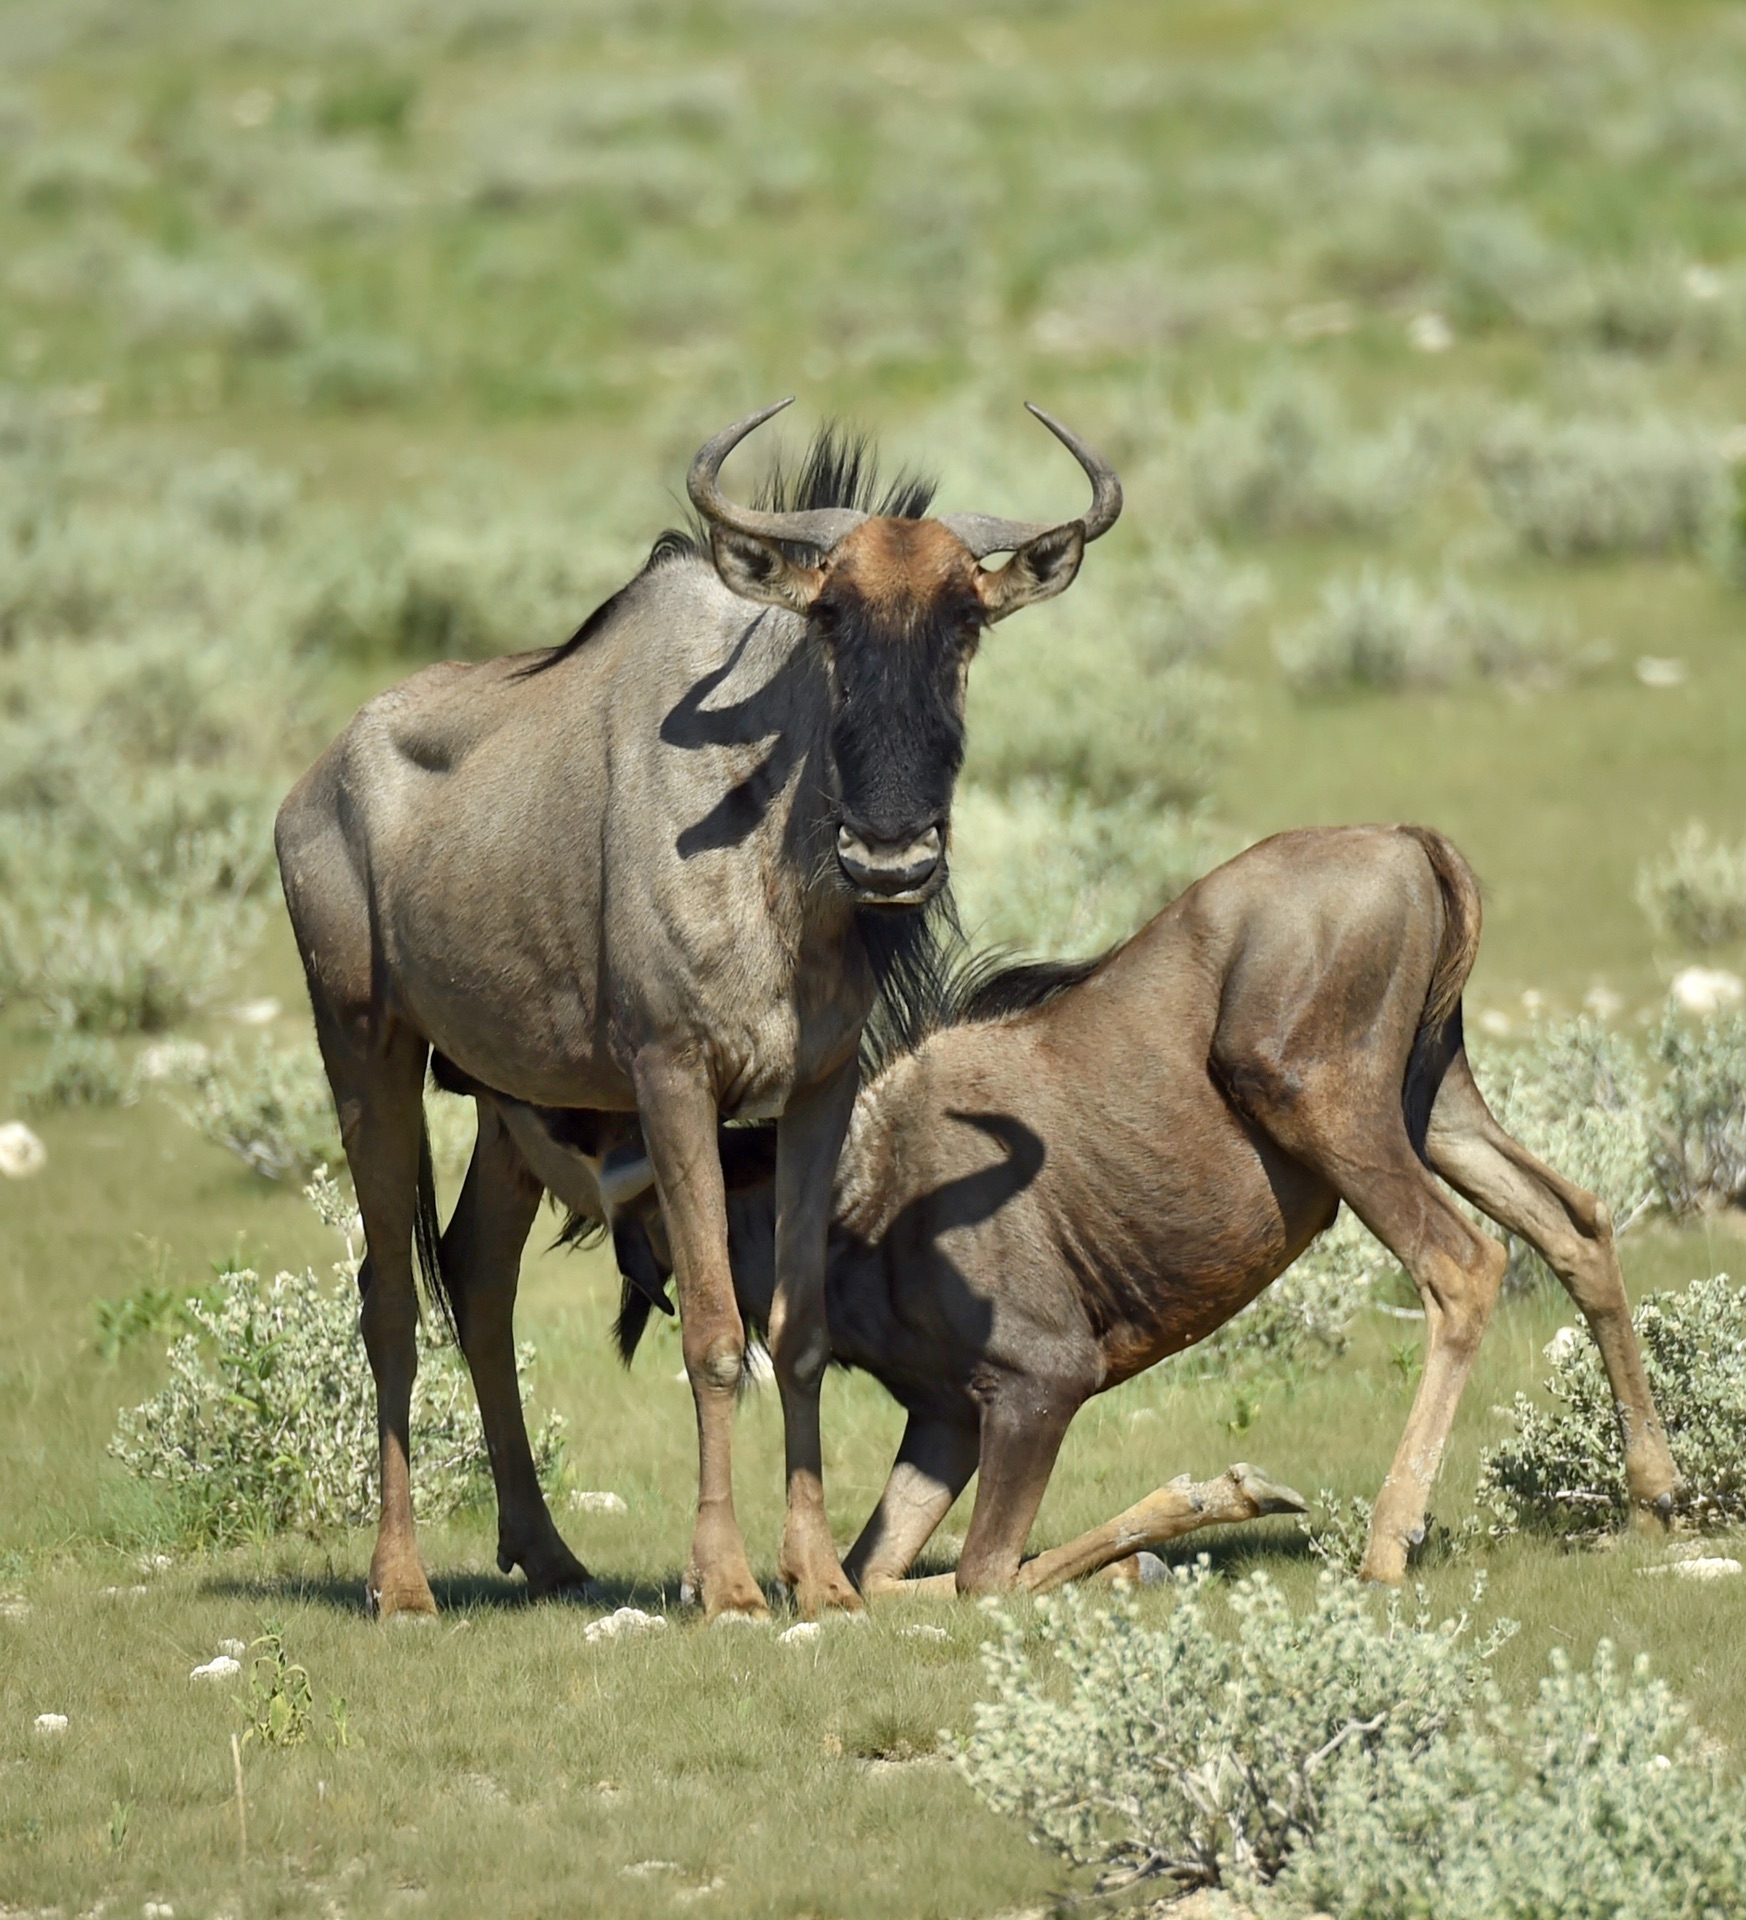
984, 535
823, 528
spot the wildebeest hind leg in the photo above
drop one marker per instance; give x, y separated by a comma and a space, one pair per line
933, 1466
1573, 1232
1348, 1126
378, 1089
481, 1260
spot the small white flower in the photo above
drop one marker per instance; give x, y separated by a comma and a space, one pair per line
920, 1632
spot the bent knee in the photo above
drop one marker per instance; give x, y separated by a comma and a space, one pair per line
716, 1363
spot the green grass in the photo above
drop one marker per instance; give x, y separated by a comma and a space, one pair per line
577, 240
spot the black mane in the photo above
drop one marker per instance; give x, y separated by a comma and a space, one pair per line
938, 984
840, 468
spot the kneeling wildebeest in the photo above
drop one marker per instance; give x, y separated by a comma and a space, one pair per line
659, 870
1082, 1168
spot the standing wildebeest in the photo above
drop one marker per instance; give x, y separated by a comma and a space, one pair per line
660, 869
1086, 1167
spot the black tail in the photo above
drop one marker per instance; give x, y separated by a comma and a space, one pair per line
1440, 1035
427, 1238
634, 1308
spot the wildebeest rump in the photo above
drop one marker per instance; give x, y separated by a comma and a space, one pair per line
660, 869
1087, 1167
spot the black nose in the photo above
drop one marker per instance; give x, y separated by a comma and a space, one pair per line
896, 871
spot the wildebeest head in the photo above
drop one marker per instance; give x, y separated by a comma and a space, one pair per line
898, 605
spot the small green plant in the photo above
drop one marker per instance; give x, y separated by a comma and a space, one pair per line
279, 1708
120, 1819
1562, 1472
272, 1109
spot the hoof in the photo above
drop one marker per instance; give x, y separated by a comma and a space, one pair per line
575, 1585
1267, 1496
828, 1596
733, 1600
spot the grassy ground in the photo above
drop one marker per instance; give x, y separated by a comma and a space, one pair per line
919, 217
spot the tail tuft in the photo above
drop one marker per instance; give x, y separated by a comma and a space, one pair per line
427, 1238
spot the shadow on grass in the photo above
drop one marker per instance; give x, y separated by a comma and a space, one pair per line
456, 1593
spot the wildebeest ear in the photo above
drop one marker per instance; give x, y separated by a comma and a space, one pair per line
1038, 571
758, 569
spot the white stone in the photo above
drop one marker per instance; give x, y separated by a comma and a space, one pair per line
22, 1153
14, 1606
1708, 1567
1494, 1022
1430, 333
158, 1910
920, 1632
1707, 990
50, 1724
594, 1501
221, 1666
256, 1013
1603, 1002
627, 1620
1533, 1000
802, 1634
642, 1869
1662, 674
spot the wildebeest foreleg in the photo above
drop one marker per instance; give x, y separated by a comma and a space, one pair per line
378, 1090
1184, 1506
678, 1114
1239, 1493
481, 1259
933, 1466
1022, 1431
809, 1137
1573, 1232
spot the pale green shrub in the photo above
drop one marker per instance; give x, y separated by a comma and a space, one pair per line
1287, 462
1696, 892
80, 1070
267, 1423
1045, 870
247, 306
1563, 1470
1600, 1801
1203, 1748
354, 372
1377, 631
1578, 1097
1587, 487
1499, 268
1383, 631
1700, 1111
273, 1110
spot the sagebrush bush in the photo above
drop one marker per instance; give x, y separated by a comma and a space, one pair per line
1700, 1112
1582, 488
79, 1070
267, 1423
1288, 462
1695, 893
273, 1110
1600, 1801
1202, 1748
1383, 631
1578, 1097
1562, 1470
